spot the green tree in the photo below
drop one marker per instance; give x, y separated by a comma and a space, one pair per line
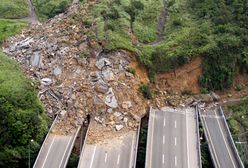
21, 116
132, 10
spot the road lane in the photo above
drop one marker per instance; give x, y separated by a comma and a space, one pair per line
56, 151
172, 139
218, 137
115, 153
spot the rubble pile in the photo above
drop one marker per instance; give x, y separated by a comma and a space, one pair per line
75, 77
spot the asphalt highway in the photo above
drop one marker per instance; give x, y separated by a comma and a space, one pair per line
55, 152
172, 139
115, 153
219, 141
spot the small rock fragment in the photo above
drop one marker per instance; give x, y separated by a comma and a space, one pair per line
126, 105
118, 127
46, 81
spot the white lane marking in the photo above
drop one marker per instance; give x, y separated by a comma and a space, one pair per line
175, 123
131, 156
163, 158
106, 156
65, 152
187, 134
203, 119
164, 122
118, 159
175, 161
163, 139
179, 112
225, 141
175, 141
48, 152
94, 152
153, 118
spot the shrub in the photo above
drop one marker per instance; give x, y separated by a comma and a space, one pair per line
204, 91
131, 70
145, 90
187, 92
238, 88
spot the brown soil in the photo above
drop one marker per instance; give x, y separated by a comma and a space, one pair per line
184, 78
241, 80
140, 71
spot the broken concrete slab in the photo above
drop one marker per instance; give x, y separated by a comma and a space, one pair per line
101, 86
102, 63
108, 74
110, 99
35, 59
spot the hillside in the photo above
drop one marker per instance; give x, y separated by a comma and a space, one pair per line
112, 59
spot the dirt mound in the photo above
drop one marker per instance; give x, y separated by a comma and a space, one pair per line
75, 77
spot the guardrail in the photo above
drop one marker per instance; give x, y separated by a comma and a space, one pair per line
198, 138
231, 139
85, 139
137, 143
147, 143
54, 121
208, 140
73, 141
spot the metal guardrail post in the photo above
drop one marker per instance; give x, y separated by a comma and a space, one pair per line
231, 139
45, 140
198, 137
69, 152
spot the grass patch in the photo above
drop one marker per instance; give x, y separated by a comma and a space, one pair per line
131, 70
49, 8
10, 28
13, 9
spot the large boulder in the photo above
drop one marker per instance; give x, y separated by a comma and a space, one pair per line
110, 99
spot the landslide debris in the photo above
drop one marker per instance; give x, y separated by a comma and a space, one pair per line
76, 77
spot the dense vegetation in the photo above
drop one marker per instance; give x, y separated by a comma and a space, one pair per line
21, 115
228, 30
238, 124
10, 27
10, 9
47, 9
216, 30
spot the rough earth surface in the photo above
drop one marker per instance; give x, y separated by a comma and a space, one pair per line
75, 78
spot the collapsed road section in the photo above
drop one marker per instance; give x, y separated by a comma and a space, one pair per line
56, 149
118, 152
